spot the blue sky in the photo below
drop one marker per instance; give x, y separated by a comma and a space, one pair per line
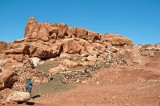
137, 19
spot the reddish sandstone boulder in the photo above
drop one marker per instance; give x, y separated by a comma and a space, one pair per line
62, 30
32, 28
43, 32
99, 47
71, 32
7, 79
92, 36
116, 40
92, 58
71, 46
45, 53
32, 51
81, 33
22, 49
69, 63
56, 70
19, 57
36, 30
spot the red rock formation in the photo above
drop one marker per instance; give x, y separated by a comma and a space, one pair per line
47, 31
71, 46
116, 40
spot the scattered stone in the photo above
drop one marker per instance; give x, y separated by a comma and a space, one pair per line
92, 58
65, 56
97, 83
56, 70
18, 96
69, 64
35, 61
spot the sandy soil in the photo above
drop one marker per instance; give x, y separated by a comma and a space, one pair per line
121, 86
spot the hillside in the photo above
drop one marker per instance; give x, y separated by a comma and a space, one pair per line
75, 66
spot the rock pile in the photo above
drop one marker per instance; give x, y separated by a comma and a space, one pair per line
77, 47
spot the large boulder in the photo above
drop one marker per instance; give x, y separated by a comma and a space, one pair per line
43, 32
18, 96
3, 46
32, 28
69, 63
44, 53
21, 49
7, 79
91, 50
33, 51
116, 40
71, 32
71, 46
99, 47
18, 57
93, 36
62, 30
56, 70
65, 56
81, 33
36, 30
92, 58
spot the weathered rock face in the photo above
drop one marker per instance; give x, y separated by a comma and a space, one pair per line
32, 51
76, 47
46, 32
71, 46
149, 49
18, 96
116, 40
57, 69
3, 46
69, 64
37, 30
7, 79
92, 58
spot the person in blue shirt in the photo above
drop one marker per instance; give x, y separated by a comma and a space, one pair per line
29, 84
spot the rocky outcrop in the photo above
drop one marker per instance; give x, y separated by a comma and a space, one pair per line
56, 70
31, 51
69, 63
71, 46
3, 46
7, 79
149, 49
47, 31
36, 30
116, 40
76, 47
